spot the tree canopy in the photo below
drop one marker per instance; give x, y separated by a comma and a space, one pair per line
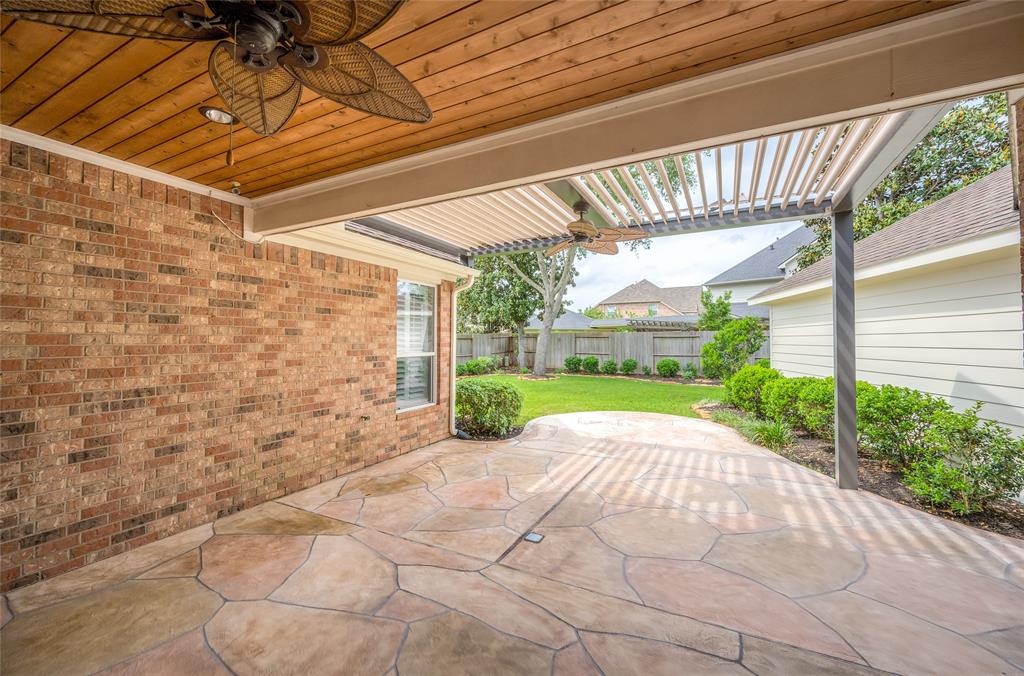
715, 313
970, 142
500, 300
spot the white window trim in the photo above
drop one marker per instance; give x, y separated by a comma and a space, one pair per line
435, 373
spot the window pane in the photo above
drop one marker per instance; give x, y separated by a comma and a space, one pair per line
415, 381
415, 319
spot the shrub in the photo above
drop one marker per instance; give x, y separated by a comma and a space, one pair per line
573, 363
667, 368
480, 366
486, 407
591, 364
815, 404
647, 370
892, 422
968, 462
609, 367
726, 354
628, 366
779, 399
743, 389
767, 363
461, 370
690, 371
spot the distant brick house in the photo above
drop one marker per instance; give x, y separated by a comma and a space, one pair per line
646, 299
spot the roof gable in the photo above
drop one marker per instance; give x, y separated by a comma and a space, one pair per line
682, 299
766, 263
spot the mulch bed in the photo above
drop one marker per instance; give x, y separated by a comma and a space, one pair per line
514, 432
1005, 517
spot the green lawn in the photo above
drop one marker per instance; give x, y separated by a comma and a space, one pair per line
569, 394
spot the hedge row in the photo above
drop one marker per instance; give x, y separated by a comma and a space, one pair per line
953, 459
667, 368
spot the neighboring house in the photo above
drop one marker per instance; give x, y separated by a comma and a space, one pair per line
768, 266
938, 300
646, 299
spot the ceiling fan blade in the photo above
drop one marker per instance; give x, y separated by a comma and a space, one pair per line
621, 234
336, 23
358, 77
131, 18
558, 248
264, 101
602, 247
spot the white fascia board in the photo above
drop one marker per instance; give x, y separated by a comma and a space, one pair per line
943, 55
969, 247
773, 278
74, 152
410, 264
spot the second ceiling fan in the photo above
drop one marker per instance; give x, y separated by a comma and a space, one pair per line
592, 238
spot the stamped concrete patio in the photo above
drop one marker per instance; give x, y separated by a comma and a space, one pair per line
670, 546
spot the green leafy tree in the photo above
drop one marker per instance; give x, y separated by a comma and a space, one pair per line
715, 312
970, 142
595, 313
549, 277
733, 344
500, 300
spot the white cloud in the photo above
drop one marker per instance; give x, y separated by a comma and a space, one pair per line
677, 260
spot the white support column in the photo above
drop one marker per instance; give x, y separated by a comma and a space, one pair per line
844, 339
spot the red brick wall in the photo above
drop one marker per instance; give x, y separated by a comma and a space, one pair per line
159, 372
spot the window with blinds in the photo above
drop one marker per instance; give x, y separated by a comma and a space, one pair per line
417, 344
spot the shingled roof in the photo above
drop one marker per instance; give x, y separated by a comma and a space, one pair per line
983, 207
766, 263
682, 299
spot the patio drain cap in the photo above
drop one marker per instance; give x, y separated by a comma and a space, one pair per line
533, 537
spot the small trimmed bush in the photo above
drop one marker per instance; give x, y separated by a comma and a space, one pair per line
486, 407
628, 366
480, 366
591, 364
767, 363
968, 463
815, 404
690, 371
893, 421
609, 367
743, 389
731, 347
461, 370
647, 370
779, 399
573, 363
667, 368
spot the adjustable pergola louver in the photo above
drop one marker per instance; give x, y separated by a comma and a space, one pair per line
787, 176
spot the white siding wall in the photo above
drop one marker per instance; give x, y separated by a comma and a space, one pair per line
953, 330
741, 291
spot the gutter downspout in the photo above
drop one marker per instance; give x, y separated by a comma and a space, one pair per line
466, 284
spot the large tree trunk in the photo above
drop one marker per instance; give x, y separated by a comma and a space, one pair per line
540, 355
554, 280
521, 345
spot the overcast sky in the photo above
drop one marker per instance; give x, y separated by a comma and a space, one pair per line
678, 260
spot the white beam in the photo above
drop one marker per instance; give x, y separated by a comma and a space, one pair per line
946, 54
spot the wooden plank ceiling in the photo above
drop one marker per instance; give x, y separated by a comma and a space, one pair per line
482, 66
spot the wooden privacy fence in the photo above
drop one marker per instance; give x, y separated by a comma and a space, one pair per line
646, 347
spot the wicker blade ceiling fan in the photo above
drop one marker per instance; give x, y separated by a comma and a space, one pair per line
597, 240
267, 49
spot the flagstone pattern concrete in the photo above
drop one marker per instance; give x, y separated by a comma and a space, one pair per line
670, 546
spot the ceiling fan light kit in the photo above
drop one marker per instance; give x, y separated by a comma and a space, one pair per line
266, 51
